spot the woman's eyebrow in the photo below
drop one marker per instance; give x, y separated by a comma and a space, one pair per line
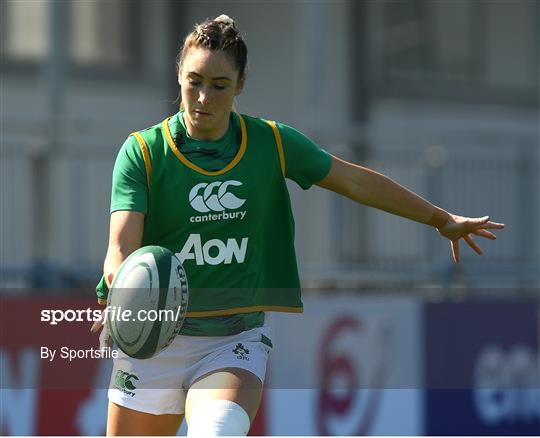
214, 79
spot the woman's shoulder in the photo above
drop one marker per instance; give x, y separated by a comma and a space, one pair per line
139, 141
152, 130
252, 119
152, 136
265, 123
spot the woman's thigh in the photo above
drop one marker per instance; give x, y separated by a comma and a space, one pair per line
235, 384
125, 421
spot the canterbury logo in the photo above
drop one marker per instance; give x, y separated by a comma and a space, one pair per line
123, 380
205, 197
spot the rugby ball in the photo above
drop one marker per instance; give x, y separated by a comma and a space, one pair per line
147, 302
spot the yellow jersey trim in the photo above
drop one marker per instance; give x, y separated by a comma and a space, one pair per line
279, 143
238, 310
102, 301
183, 159
146, 157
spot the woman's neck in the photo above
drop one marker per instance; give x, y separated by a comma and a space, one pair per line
206, 135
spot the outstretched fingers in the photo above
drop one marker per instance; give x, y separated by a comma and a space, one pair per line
481, 229
485, 233
455, 250
98, 324
468, 238
484, 223
478, 221
465, 228
493, 225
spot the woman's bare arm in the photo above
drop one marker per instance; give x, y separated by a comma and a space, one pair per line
125, 236
374, 189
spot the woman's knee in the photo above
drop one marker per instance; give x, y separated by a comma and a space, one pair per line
223, 402
218, 418
231, 384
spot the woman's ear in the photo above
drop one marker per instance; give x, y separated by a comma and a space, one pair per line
240, 85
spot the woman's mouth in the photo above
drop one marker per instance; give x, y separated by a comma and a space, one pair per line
202, 113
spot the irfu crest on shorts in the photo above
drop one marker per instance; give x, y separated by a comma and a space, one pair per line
241, 352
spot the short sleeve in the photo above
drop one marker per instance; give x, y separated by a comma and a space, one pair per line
305, 161
129, 191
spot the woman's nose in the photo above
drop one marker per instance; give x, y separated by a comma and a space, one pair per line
204, 96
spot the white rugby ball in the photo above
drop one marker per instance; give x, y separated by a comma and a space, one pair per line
147, 302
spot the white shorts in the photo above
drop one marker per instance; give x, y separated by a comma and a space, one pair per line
159, 385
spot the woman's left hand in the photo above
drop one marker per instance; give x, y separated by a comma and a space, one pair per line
460, 227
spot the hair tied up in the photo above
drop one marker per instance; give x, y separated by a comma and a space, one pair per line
226, 20
219, 33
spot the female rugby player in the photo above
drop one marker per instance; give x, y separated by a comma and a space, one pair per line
209, 184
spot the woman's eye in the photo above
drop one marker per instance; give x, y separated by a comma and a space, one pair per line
193, 84
219, 87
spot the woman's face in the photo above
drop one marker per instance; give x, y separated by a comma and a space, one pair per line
209, 83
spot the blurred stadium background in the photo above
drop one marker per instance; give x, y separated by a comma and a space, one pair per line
441, 95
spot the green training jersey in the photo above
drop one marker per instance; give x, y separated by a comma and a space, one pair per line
223, 207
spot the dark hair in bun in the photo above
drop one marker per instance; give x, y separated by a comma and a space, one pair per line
219, 33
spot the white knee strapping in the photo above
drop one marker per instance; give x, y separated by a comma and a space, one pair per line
218, 418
